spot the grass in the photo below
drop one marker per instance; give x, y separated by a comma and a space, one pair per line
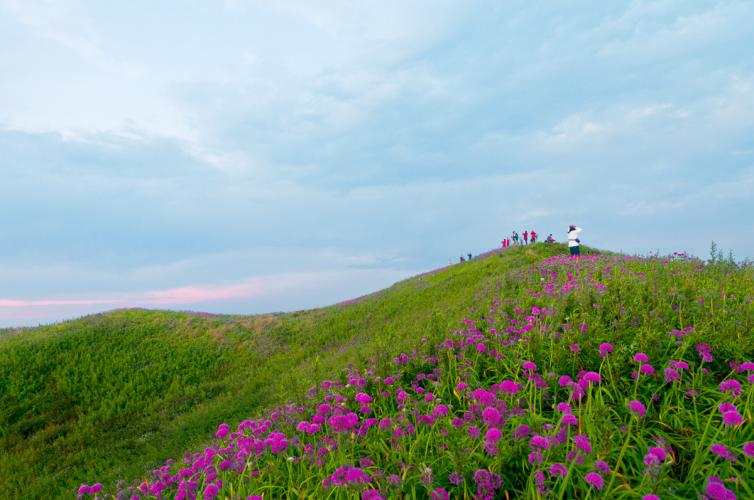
111, 395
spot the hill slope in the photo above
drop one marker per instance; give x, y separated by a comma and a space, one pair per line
111, 395
600, 377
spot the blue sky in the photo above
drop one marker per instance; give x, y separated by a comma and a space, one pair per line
265, 156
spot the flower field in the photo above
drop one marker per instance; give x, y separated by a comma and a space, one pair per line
607, 376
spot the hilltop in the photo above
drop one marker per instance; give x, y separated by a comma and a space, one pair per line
111, 395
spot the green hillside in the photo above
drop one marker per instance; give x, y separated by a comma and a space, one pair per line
109, 396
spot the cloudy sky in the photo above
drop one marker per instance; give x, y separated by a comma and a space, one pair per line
267, 156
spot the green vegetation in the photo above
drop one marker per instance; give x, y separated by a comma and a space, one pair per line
110, 396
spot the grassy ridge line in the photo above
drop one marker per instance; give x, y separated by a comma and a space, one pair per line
109, 395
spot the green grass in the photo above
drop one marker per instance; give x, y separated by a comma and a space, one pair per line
109, 396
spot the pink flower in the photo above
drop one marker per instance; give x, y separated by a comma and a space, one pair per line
363, 398
637, 408
594, 479
529, 366
605, 349
222, 431
749, 449
732, 418
732, 387
641, 358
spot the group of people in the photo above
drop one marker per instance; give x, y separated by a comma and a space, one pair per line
515, 240
529, 237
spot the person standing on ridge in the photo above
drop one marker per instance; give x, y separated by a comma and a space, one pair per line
533, 236
574, 243
514, 237
526, 237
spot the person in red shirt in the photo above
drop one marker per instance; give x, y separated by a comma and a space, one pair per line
533, 236
526, 237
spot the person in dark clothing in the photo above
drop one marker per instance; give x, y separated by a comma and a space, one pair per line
469, 256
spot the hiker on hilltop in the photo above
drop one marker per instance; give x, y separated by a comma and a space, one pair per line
550, 239
526, 237
514, 237
532, 236
469, 256
574, 243
462, 259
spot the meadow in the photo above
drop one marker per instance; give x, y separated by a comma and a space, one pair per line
111, 395
525, 374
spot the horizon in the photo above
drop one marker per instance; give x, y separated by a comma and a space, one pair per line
311, 155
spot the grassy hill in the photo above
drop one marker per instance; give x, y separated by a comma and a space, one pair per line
110, 396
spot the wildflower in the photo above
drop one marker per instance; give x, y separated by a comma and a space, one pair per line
371, 494
721, 451
569, 419
650, 497
594, 479
671, 375
535, 458
363, 398
529, 366
565, 381
705, 352
716, 490
509, 387
474, 431
647, 370
732, 418
493, 435
210, 491
641, 358
581, 441
605, 349
222, 431
592, 377
455, 478
558, 469
522, 431
601, 466
539, 442
575, 348
564, 408
637, 408
439, 494
732, 387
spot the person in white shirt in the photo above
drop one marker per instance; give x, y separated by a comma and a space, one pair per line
573, 239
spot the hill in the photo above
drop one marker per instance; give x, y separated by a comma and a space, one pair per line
111, 395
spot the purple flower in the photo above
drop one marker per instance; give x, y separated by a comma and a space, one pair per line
647, 370
605, 349
716, 490
581, 441
601, 466
732, 418
641, 358
671, 375
493, 435
594, 479
371, 494
650, 497
732, 387
210, 491
529, 366
592, 377
455, 478
363, 398
558, 469
539, 442
749, 449
222, 431
509, 387
439, 494
721, 451
575, 348
637, 408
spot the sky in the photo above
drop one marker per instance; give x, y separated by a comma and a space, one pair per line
249, 157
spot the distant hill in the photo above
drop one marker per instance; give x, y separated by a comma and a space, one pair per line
110, 396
